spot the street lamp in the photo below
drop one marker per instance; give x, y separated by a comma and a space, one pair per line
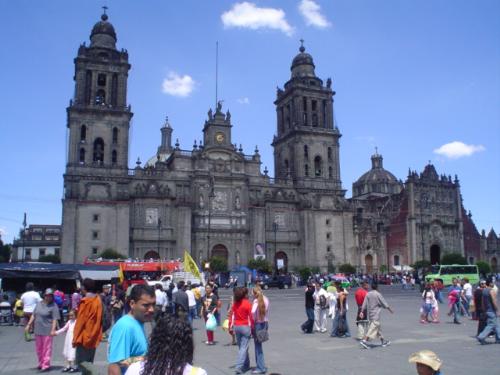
159, 233
211, 195
24, 237
275, 230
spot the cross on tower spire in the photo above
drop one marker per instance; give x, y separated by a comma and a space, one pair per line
105, 8
302, 48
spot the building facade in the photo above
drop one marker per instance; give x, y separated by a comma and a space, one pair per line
214, 200
37, 241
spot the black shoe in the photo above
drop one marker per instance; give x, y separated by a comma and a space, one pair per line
364, 344
66, 369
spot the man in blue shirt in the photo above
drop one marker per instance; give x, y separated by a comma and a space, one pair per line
128, 342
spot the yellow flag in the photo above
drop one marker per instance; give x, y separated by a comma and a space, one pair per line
190, 265
120, 274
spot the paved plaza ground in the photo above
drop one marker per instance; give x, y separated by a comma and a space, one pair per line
290, 352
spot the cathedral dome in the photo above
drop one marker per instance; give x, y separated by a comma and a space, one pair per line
377, 180
103, 34
161, 157
302, 64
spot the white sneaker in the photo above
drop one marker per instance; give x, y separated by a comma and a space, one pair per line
364, 344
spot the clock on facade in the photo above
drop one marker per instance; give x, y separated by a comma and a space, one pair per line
219, 137
151, 216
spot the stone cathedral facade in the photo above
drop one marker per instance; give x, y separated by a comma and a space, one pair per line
215, 200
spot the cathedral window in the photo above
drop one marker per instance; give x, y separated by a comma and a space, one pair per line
327, 222
94, 250
329, 154
306, 170
114, 90
88, 86
324, 113
95, 235
330, 172
82, 156
114, 157
396, 260
304, 108
317, 166
100, 97
306, 152
98, 155
101, 80
95, 218
328, 236
314, 120
83, 133
115, 135
287, 167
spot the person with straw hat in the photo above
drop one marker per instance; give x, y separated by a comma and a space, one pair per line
427, 362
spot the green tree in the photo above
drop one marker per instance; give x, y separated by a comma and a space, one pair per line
304, 273
218, 264
383, 268
483, 267
110, 253
453, 258
50, 258
261, 265
425, 264
5, 251
347, 268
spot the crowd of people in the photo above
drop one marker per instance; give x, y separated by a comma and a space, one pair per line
119, 316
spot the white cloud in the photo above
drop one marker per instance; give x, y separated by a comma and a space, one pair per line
456, 149
177, 85
3, 232
248, 15
244, 100
312, 13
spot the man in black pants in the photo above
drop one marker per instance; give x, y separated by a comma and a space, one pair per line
307, 326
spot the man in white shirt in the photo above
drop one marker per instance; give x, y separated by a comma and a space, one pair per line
161, 302
192, 304
29, 299
321, 305
467, 288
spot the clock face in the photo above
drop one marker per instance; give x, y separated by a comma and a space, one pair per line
219, 137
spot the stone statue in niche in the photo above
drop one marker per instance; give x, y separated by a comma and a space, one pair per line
210, 114
201, 202
238, 260
237, 202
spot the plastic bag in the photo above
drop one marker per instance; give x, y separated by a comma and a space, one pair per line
225, 325
211, 323
27, 336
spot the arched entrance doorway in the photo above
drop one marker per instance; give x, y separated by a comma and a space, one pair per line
151, 255
369, 263
220, 251
281, 262
435, 254
494, 265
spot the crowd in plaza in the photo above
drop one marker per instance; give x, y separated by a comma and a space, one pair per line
118, 316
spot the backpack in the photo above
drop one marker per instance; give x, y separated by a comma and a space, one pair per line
58, 299
322, 302
106, 317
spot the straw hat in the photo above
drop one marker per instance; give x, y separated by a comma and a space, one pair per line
426, 357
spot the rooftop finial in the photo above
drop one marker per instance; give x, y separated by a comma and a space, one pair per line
104, 16
376, 150
302, 48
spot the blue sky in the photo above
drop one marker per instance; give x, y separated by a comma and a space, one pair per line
412, 78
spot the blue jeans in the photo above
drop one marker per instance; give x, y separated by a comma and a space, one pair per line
335, 325
192, 314
492, 322
259, 353
242, 334
307, 326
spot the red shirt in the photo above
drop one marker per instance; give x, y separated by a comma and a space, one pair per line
242, 314
360, 296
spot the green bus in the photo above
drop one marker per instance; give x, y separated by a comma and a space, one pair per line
447, 273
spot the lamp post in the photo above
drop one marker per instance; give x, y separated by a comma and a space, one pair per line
159, 235
211, 195
275, 230
24, 237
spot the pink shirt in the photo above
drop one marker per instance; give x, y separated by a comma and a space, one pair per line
255, 311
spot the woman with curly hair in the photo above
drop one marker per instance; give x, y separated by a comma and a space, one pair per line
170, 350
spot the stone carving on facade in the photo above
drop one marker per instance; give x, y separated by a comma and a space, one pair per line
219, 202
201, 202
97, 190
237, 202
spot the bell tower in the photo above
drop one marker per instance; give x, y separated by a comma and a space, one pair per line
306, 144
98, 117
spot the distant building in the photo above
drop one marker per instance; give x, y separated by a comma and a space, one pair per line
37, 241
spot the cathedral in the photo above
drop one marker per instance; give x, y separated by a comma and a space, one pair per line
214, 200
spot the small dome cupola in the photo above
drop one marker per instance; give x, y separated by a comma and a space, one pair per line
377, 160
302, 64
103, 33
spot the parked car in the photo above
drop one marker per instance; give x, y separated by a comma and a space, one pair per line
280, 281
